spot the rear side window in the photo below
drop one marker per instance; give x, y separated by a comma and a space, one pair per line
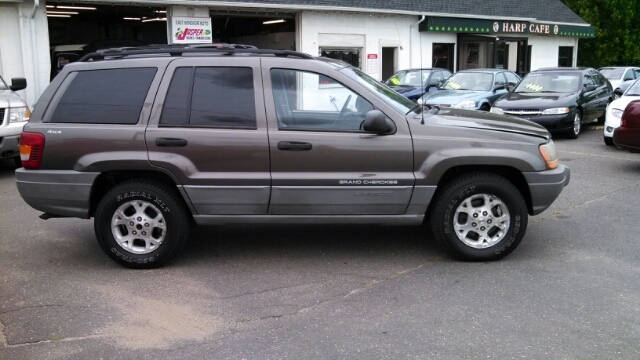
110, 96
210, 97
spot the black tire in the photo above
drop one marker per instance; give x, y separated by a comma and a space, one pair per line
158, 206
469, 189
577, 126
485, 107
608, 140
603, 117
17, 161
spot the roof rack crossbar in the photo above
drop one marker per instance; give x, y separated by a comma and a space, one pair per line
224, 50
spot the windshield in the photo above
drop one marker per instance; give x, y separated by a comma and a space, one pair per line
469, 81
611, 73
549, 82
416, 78
3, 85
633, 90
384, 92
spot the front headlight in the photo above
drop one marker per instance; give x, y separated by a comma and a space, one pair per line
617, 113
466, 104
549, 154
556, 111
496, 110
19, 114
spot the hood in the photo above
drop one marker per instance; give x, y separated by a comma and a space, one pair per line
10, 99
408, 91
615, 83
486, 121
452, 97
535, 100
622, 102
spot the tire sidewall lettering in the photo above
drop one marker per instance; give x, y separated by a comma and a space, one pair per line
133, 195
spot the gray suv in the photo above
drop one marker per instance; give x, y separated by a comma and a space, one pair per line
149, 142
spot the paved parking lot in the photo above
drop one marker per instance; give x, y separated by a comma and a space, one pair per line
571, 290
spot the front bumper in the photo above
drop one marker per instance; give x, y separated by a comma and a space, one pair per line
546, 186
9, 146
554, 123
62, 193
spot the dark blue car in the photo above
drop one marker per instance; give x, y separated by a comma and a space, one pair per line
413, 83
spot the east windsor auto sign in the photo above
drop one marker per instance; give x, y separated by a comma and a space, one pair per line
464, 25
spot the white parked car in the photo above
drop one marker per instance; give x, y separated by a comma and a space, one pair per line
620, 77
615, 109
14, 113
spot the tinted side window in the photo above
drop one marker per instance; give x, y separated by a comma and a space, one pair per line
301, 104
587, 79
597, 78
500, 79
436, 78
446, 74
512, 79
628, 75
113, 96
637, 73
210, 97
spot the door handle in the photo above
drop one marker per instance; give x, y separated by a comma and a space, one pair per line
294, 146
171, 142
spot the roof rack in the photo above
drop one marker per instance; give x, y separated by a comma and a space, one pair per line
179, 50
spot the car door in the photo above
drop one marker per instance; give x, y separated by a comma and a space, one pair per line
322, 163
499, 79
209, 130
602, 93
589, 98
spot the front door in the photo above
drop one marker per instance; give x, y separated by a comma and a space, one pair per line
212, 134
322, 162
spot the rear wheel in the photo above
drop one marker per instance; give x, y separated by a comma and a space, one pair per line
479, 217
141, 224
485, 107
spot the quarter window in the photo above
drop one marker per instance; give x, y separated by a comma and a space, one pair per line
210, 97
512, 79
111, 96
628, 75
301, 104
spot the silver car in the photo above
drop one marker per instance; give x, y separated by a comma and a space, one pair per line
14, 113
620, 77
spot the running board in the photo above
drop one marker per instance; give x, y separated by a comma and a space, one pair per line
309, 219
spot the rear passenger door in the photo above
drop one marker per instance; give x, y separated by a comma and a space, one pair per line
322, 162
208, 128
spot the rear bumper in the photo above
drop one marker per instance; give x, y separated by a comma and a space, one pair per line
627, 138
62, 193
546, 186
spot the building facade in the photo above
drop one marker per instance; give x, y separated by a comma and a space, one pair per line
37, 38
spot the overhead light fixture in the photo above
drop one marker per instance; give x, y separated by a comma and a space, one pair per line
273, 21
76, 7
63, 12
160, 11
50, 6
155, 19
129, 18
60, 16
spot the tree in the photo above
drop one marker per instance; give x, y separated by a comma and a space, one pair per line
617, 40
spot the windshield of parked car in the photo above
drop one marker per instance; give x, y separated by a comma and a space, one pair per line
612, 73
3, 85
384, 92
634, 89
469, 81
549, 82
416, 78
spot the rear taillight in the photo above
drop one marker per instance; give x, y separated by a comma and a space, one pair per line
631, 115
31, 150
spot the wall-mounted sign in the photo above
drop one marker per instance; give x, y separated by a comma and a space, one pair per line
190, 30
372, 63
482, 26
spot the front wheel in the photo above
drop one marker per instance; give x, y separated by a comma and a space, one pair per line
479, 217
141, 224
577, 125
608, 140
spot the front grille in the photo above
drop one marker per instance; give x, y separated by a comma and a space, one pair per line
523, 110
2, 116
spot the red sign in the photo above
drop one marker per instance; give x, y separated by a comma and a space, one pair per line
372, 56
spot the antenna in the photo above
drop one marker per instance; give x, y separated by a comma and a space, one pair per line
421, 76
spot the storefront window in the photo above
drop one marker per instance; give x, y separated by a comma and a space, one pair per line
349, 55
443, 56
565, 56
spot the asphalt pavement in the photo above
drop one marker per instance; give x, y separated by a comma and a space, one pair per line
570, 291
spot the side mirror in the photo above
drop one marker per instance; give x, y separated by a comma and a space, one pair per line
618, 92
498, 87
18, 84
588, 88
376, 122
